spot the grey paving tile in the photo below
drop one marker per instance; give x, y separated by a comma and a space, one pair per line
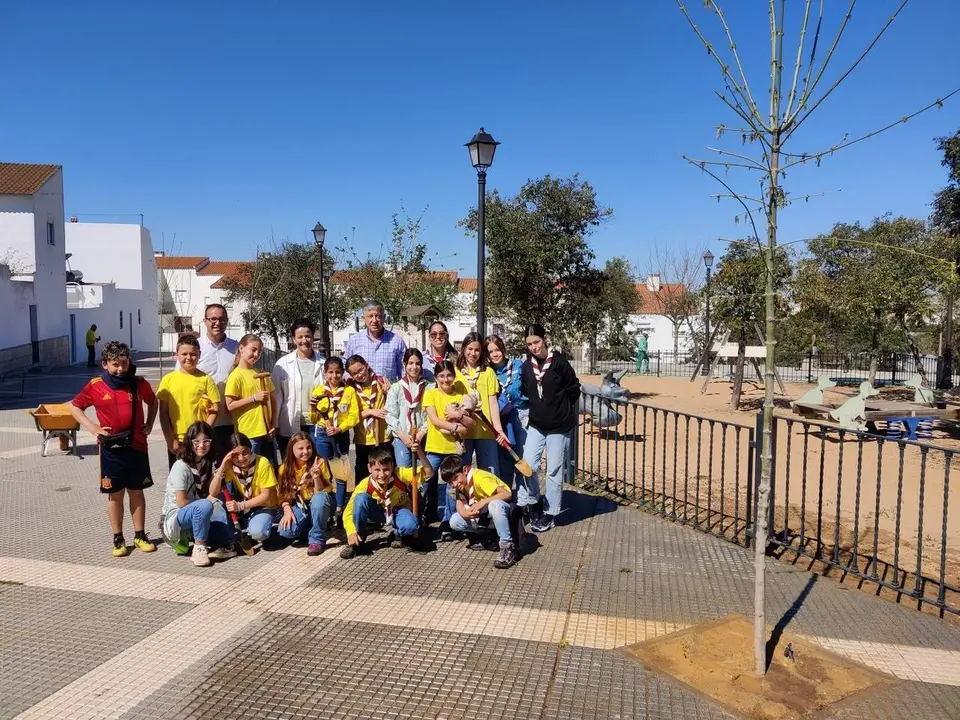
49, 638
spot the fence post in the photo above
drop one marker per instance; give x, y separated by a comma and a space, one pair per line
574, 453
658, 362
810, 365
893, 377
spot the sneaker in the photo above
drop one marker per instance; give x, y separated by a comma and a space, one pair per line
446, 534
221, 553
315, 549
120, 548
543, 523
201, 557
475, 543
144, 545
394, 541
507, 557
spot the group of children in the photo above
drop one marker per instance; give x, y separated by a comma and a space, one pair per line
433, 446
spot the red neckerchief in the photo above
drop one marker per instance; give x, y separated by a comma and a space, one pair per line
413, 401
369, 400
334, 400
540, 370
382, 495
468, 494
471, 380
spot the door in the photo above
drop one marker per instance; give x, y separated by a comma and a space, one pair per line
73, 338
34, 334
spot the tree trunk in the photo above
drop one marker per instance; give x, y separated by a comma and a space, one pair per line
676, 342
915, 351
738, 373
275, 335
874, 348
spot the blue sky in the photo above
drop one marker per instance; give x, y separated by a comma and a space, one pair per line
228, 123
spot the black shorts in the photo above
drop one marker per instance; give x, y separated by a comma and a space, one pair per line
124, 469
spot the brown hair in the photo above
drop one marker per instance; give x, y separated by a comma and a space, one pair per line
244, 341
462, 357
287, 480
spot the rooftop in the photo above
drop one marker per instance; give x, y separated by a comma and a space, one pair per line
24, 178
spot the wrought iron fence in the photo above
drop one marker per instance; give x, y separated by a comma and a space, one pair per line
848, 502
846, 368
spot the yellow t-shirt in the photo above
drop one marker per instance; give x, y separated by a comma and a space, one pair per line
483, 384
189, 397
252, 485
306, 487
440, 441
345, 413
91, 337
399, 494
485, 485
371, 431
242, 384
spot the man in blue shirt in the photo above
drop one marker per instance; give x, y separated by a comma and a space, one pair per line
382, 349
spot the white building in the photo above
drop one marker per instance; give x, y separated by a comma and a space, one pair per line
36, 327
187, 284
118, 285
660, 328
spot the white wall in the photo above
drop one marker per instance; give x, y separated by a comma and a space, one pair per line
660, 331
15, 299
49, 279
16, 232
106, 316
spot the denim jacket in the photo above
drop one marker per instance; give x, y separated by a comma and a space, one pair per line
511, 395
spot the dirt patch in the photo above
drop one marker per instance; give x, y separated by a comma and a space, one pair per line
716, 659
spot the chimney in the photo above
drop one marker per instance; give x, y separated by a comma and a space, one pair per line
73, 218
653, 282
158, 253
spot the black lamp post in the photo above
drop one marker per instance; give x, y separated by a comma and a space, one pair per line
482, 148
708, 262
319, 234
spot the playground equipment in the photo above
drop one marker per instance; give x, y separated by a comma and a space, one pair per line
595, 400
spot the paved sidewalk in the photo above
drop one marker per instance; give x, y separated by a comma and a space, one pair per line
395, 634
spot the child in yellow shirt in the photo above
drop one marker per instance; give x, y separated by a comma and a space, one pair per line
249, 399
304, 486
252, 485
186, 395
384, 497
371, 431
336, 412
480, 498
479, 380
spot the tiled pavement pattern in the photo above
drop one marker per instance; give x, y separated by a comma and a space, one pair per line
435, 635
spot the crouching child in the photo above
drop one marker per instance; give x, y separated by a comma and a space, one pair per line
483, 498
384, 497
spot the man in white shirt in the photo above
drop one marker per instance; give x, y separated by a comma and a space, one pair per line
217, 353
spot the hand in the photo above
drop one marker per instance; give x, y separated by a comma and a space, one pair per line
353, 539
384, 383
146, 430
380, 414
502, 440
315, 469
331, 429
473, 511
461, 432
232, 506
414, 447
228, 458
287, 520
98, 430
421, 436
174, 446
271, 433
260, 396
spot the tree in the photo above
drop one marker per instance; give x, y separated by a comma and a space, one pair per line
604, 309
281, 287
794, 98
946, 220
679, 298
401, 278
737, 293
539, 264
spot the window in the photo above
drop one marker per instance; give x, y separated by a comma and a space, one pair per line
138, 318
183, 324
51, 237
121, 319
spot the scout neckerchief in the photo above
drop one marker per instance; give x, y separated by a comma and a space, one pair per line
245, 478
472, 375
413, 400
384, 496
540, 370
369, 397
509, 379
301, 476
334, 398
468, 495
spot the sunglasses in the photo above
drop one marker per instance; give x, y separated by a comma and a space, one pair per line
437, 336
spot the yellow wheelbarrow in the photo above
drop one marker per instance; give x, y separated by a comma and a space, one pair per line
55, 421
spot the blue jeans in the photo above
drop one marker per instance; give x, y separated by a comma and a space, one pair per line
557, 446
365, 508
402, 453
329, 447
314, 525
517, 434
488, 456
499, 513
205, 523
258, 523
436, 492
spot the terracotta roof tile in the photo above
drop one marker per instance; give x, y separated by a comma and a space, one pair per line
24, 178
345, 277
650, 302
182, 262
222, 267
467, 284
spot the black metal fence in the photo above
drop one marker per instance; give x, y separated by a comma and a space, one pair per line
847, 368
850, 503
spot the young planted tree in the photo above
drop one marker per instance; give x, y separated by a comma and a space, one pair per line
797, 85
539, 262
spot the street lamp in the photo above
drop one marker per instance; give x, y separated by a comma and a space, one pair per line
319, 234
708, 263
482, 148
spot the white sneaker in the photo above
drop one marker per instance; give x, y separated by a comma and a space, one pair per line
200, 556
221, 553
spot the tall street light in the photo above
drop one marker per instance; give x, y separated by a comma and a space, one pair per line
482, 148
708, 262
319, 234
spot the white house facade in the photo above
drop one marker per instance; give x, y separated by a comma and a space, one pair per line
660, 329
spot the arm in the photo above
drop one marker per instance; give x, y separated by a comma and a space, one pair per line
165, 427
445, 425
91, 427
427, 468
216, 482
152, 408
266, 497
502, 493
571, 383
279, 378
237, 403
351, 418
393, 413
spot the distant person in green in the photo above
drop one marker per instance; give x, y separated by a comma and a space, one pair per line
643, 359
92, 340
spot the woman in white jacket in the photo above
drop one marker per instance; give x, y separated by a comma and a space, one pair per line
295, 376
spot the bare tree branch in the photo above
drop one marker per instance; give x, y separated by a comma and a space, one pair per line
799, 61
735, 195
736, 56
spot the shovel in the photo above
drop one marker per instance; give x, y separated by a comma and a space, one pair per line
415, 494
242, 540
522, 466
267, 408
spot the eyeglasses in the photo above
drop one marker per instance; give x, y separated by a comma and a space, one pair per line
202, 443
438, 336
216, 320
